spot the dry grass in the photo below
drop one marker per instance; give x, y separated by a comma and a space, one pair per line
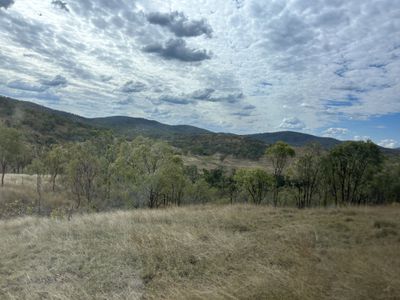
211, 252
19, 197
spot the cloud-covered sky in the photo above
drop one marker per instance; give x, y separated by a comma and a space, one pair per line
326, 67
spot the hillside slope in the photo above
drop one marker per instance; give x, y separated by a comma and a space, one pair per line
204, 252
47, 126
295, 139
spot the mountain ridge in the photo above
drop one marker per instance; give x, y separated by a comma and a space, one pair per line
49, 126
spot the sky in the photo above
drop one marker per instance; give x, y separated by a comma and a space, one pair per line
324, 67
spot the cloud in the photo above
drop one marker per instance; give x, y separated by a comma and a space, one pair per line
6, 3
292, 123
180, 25
362, 138
203, 94
177, 49
60, 4
266, 53
174, 100
58, 81
249, 107
335, 132
389, 143
133, 87
25, 86
43, 85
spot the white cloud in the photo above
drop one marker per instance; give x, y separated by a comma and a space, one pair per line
389, 143
362, 138
336, 132
292, 123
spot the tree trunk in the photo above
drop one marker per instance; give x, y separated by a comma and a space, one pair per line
2, 177
53, 181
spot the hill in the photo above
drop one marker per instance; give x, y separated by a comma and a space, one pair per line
47, 126
295, 139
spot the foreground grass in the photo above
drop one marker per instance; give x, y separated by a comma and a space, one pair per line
231, 252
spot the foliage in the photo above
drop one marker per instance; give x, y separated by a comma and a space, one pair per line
82, 172
10, 148
307, 175
348, 167
255, 182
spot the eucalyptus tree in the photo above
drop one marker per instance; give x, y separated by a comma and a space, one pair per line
307, 175
142, 164
349, 168
55, 160
279, 155
82, 172
10, 148
254, 182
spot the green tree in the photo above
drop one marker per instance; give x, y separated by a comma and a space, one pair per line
141, 164
385, 185
38, 168
307, 175
255, 182
173, 181
10, 149
349, 168
82, 172
279, 155
55, 162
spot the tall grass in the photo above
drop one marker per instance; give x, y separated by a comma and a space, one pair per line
204, 252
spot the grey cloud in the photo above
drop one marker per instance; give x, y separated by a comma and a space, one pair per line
180, 25
105, 78
133, 87
60, 4
6, 3
242, 114
177, 49
211, 95
57, 81
174, 100
289, 31
204, 94
230, 98
25, 86
249, 107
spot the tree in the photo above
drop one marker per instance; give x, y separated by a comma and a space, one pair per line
173, 181
385, 185
348, 167
37, 168
141, 164
82, 172
255, 182
55, 160
307, 175
10, 148
279, 155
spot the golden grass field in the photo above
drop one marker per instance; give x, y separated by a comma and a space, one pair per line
204, 252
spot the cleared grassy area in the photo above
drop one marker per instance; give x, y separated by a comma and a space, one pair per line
18, 196
210, 252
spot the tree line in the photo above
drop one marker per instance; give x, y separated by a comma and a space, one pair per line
109, 172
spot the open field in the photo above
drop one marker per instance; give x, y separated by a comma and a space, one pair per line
204, 252
18, 197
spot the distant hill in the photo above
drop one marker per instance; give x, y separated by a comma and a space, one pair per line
295, 139
133, 126
48, 126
